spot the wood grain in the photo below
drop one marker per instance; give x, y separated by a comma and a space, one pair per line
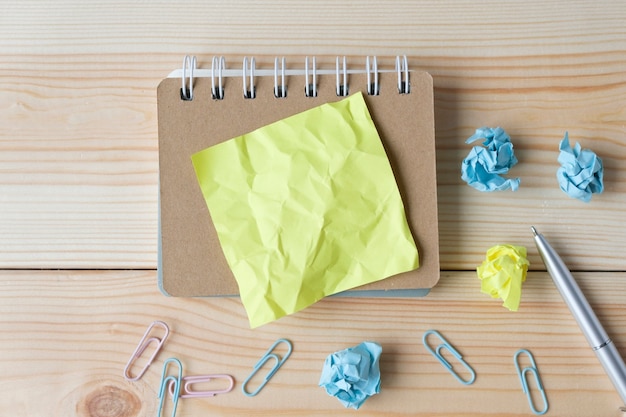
79, 182
68, 335
78, 149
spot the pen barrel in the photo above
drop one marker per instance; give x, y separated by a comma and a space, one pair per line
572, 295
614, 366
588, 322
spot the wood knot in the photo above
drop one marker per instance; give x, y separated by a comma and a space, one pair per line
109, 401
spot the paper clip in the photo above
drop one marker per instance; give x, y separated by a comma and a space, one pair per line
141, 347
523, 379
437, 354
267, 356
167, 380
188, 381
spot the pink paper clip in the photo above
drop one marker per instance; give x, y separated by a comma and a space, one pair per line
188, 392
148, 338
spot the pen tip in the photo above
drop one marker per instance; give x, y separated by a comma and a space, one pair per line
532, 228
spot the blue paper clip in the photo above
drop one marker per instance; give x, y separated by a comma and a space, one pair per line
267, 356
522, 376
167, 380
437, 354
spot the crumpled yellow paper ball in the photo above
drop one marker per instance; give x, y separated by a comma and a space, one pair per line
502, 273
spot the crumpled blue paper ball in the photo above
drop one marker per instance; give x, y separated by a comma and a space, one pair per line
581, 171
482, 167
352, 375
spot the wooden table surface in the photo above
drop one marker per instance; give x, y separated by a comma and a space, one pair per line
78, 205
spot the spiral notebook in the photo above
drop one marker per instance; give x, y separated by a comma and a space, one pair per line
199, 107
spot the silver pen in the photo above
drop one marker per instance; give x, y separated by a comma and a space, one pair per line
587, 321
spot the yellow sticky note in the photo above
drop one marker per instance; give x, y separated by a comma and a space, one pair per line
306, 207
502, 274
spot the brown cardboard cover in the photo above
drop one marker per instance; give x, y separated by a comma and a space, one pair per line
191, 261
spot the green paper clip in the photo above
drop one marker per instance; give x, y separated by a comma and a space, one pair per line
266, 357
437, 354
522, 376
170, 379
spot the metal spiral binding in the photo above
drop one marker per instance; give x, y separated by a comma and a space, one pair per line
341, 89
248, 72
219, 64
372, 87
402, 67
186, 90
280, 91
310, 89
251, 93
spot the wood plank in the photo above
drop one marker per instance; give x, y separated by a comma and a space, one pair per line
78, 156
65, 338
78, 189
